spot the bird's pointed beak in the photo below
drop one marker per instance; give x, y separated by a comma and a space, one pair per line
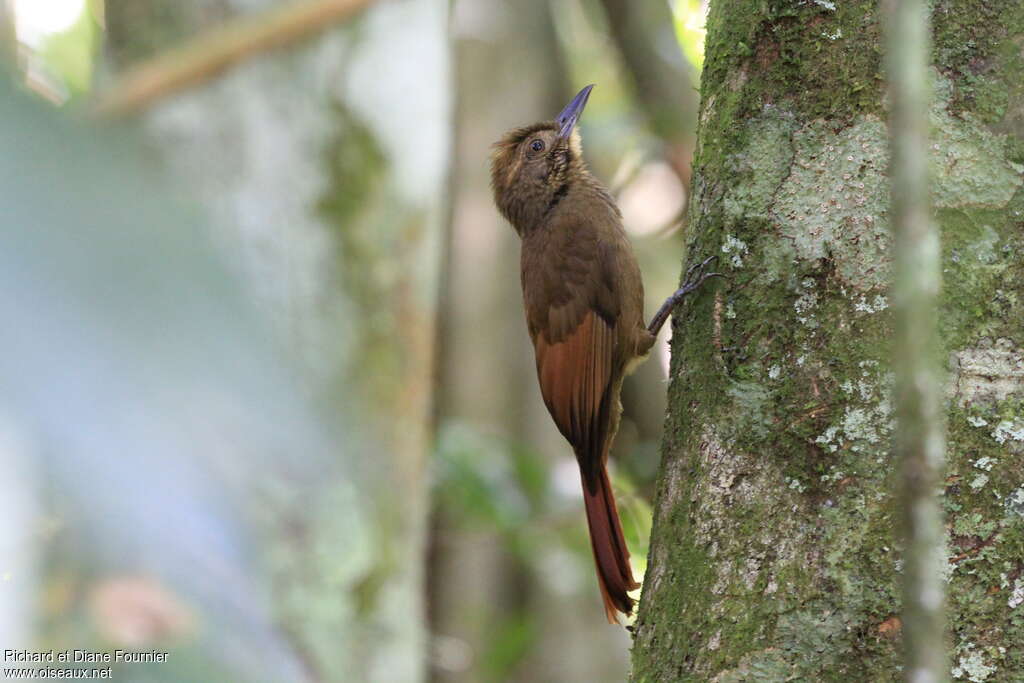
570, 115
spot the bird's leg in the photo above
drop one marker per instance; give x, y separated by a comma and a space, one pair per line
695, 277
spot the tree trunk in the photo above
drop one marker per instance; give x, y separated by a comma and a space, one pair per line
324, 166
773, 555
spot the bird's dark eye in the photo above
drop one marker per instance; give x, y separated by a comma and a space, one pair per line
537, 145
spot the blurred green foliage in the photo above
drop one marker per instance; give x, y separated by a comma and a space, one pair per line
689, 17
488, 484
69, 54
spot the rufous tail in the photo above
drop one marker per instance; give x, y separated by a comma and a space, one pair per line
614, 575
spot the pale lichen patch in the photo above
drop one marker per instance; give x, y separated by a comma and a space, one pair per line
971, 665
1014, 503
860, 426
827, 190
984, 463
758, 667
760, 168
752, 402
729, 479
804, 305
986, 373
867, 420
737, 248
985, 247
834, 202
1017, 596
877, 304
1009, 430
975, 171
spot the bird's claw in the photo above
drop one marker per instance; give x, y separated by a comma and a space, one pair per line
695, 275
699, 268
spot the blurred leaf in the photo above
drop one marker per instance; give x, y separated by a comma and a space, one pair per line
510, 642
690, 17
488, 481
157, 396
70, 53
531, 473
636, 515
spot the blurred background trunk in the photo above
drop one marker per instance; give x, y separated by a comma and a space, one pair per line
772, 554
512, 589
490, 600
324, 168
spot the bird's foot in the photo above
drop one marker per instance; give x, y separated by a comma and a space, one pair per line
695, 277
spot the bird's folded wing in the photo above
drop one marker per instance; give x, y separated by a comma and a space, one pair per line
574, 376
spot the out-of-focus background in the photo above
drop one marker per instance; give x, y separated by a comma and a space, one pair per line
269, 403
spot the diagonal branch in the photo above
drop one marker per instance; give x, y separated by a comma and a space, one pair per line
213, 52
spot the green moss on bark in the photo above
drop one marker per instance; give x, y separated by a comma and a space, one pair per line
772, 553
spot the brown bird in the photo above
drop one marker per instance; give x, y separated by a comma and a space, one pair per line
584, 310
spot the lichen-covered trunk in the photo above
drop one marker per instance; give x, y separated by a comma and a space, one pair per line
324, 167
773, 555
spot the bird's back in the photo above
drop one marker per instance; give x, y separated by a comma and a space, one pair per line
580, 259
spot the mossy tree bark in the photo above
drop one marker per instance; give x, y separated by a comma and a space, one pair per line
773, 554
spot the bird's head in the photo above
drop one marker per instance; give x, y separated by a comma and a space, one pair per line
533, 166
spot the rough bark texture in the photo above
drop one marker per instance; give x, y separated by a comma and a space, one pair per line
773, 556
301, 157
